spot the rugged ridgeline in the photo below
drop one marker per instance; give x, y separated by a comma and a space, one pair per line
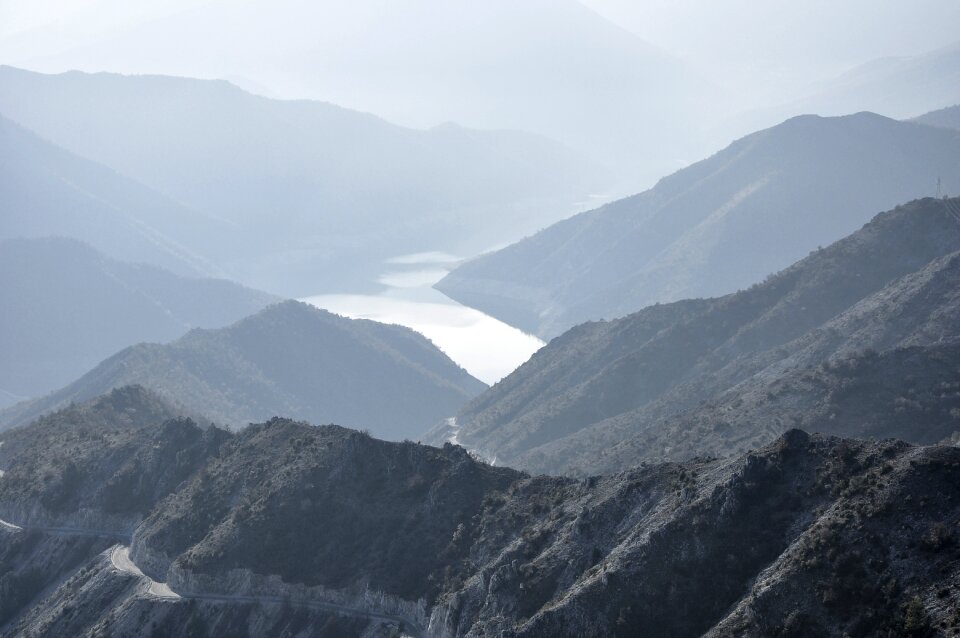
308, 193
67, 307
810, 535
720, 225
96, 470
46, 190
103, 464
290, 359
717, 376
945, 118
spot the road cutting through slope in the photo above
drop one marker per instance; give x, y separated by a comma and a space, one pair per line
120, 559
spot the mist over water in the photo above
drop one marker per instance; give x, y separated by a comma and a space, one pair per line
486, 347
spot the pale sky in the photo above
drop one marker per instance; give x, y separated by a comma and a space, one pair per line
806, 39
803, 38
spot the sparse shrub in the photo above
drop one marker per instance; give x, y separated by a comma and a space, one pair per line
937, 537
915, 622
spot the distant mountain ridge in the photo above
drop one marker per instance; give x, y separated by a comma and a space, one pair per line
948, 117
491, 65
717, 226
898, 87
289, 359
68, 306
658, 384
307, 196
46, 190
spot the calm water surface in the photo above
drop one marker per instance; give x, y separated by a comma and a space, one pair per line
487, 348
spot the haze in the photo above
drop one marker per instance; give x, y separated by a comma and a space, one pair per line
450, 319
739, 43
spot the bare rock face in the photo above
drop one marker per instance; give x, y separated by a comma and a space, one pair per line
96, 599
809, 535
803, 536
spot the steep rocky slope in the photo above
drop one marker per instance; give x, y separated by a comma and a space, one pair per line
809, 535
717, 226
604, 383
910, 392
80, 481
67, 307
102, 464
289, 359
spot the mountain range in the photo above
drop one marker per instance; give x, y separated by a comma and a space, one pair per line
900, 87
306, 196
286, 528
948, 117
859, 330
715, 227
897, 86
745, 422
67, 307
289, 359
551, 67
46, 190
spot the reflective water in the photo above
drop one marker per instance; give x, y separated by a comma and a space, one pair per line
487, 348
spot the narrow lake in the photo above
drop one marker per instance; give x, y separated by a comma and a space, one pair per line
486, 347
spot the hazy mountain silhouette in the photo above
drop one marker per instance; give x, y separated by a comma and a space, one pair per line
717, 226
46, 190
552, 67
946, 118
309, 194
67, 307
670, 381
898, 87
289, 359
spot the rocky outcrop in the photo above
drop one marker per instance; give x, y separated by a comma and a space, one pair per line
808, 535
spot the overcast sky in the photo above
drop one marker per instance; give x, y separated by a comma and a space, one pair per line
802, 37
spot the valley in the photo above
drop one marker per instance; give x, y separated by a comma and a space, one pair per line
550, 319
486, 347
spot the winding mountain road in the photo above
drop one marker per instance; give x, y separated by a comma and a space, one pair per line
120, 560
